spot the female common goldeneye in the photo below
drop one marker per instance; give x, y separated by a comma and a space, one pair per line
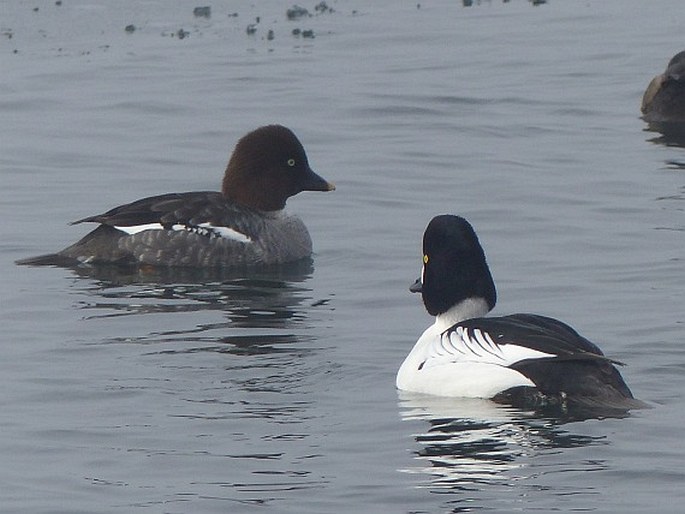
522, 359
664, 99
243, 225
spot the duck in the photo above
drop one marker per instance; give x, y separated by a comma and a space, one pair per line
244, 224
664, 98
526, 360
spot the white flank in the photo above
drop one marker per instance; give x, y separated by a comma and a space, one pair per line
438, 367
462, 362
134, 229
205, 229
227, 233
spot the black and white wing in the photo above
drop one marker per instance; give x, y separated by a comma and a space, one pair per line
558, 360
206, 213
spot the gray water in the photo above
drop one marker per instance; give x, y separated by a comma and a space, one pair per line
182, 392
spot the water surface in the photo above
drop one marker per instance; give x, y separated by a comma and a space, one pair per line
185, 392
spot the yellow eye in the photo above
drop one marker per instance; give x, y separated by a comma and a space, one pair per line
291, 162
425, 259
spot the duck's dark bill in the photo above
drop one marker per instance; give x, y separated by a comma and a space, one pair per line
416, 286
314, 182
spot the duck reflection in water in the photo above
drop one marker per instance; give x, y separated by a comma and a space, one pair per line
273, 298
475, 447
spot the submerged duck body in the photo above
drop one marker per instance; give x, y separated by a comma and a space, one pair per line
522, 359
664, 98
243, 225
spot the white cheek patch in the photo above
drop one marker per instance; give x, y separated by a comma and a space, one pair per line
203, 229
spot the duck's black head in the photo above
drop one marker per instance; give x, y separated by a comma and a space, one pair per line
454, 266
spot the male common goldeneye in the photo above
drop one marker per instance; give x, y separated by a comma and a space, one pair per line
243, 225
523, 359
664, 99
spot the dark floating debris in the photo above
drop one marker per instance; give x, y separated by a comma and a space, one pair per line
322, 7
296, 12
203, 12
304, 33
130, 29
471, 3
233, 15
182, 34
270, 35
252, 27
58, 3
